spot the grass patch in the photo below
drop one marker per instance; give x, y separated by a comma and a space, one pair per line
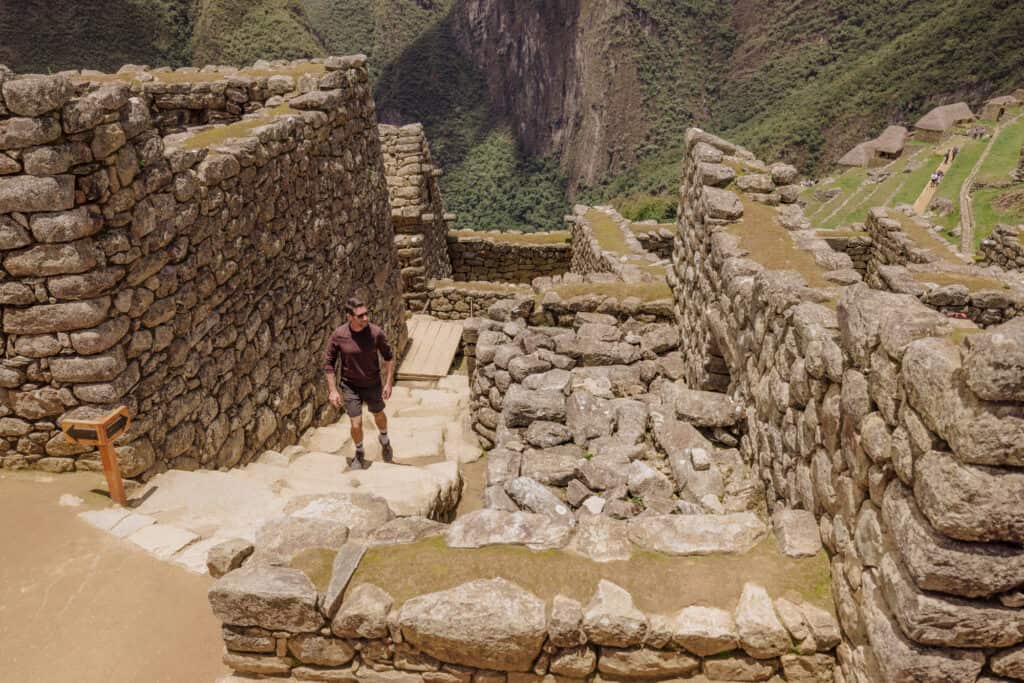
770, 244
974, 283
645, 291
609, 236
989, 211
406, 571
317, 564
552, 237
646, 228
917, 179
481, 286
240, 129
1005, 155
959, 334
643, 207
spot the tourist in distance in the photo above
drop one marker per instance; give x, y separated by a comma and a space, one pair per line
352, 355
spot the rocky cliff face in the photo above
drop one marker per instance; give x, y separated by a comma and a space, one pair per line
558, 71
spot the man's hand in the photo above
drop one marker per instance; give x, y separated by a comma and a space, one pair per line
386, 394
335, 399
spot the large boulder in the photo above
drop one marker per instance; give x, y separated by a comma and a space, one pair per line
697, 534
552, 466
970, 503
281, 539
994, 367
533, 496
611, 619
522, 406
274, 598
589, 417
565, 628
902, 660
761, 634
706, 408
797, 533
642, 662
705, 631
938, 563
362, 513
489, 624
363, 613
498, 527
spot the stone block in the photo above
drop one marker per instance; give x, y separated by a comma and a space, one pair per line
29, 194
611, 619
274, 598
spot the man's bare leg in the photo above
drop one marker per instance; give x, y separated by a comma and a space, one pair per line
381, 419
356, 428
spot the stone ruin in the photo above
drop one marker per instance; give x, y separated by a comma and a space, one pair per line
187, 276
757, 392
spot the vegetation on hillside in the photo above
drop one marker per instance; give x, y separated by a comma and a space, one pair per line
241, 31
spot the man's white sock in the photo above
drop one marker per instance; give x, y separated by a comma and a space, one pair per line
384, 438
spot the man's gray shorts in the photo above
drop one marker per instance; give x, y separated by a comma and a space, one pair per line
355, 397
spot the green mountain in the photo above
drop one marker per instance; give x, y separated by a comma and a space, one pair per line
529, 104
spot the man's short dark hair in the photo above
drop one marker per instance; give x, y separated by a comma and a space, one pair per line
352, 304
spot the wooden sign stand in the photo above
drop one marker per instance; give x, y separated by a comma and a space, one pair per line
102, 432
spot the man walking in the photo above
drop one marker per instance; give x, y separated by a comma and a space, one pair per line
351, 353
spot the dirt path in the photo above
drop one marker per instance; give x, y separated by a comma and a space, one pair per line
924, 200
77, 604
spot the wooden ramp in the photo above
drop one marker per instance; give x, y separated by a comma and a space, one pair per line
432, 347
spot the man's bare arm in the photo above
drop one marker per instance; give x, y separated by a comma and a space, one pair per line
332, 390
389, 373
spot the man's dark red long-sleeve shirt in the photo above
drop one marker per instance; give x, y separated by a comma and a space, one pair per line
354, 354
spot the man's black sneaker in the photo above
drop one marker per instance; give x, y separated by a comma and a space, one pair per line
358, 464
386, 452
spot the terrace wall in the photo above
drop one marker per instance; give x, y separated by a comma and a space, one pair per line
493, 257
866, 408
194, 284
1003, 248
416, 210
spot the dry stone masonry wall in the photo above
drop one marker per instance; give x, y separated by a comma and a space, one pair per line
986, 296
900, 433
507, 257
1003, 248
421, 225
190, 96
194, 284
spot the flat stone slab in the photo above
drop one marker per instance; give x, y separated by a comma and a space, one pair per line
360, 512
162, 540
406, 530
193, 556
105, 519
345, 564
497, 527
329, 439
697, 534
130, 524
603, 539
274, 598
797, 533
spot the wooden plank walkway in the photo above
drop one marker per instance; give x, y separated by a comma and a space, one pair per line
432, 347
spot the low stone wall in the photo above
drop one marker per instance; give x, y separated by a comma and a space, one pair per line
867, 409
1003, 248
417, 211
194, 283
191, 96
992, 298
658, 242
493, 257
449, 300
588, 256
277, 623
891, 246
859, 248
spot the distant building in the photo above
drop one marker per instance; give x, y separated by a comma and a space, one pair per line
996, 107
886, 147
937, 123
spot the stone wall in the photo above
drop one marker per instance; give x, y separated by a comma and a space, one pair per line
416, 210
657, 241
194, 284
504, 257
1003, 248
277, 623
901, 434
450, 300
191, 96
859, 248
891, 246
588, 254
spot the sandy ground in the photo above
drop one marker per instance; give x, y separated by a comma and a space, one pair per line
77, 604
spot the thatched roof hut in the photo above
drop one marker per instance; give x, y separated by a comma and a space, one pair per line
941, 119
995, 107
889, 144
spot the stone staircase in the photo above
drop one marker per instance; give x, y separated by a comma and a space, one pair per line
179, 515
